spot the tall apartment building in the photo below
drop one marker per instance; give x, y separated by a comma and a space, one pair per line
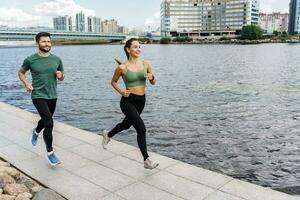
207, 17
94, 24
274, 22
123, 29
63, 23
81, 22
110, 26
294, 20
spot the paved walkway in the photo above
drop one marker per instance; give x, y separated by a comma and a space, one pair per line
88, 172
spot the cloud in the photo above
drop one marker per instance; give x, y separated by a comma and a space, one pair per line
61, 7
42, 13
269, 6
16, 14
266, 8
154, 21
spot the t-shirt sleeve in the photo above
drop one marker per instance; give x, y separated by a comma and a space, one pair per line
26, 64
60, 66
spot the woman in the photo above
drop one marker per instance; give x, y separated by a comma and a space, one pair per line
134, 73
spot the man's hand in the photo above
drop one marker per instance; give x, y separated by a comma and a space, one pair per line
59, 74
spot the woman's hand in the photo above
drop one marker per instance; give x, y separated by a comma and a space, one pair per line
125, 93
28, 87
149, 76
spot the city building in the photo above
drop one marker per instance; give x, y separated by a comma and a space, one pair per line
63, 23
109, 26
81, 22
123, 29
207, 17
294, 20
94, 24
274, 22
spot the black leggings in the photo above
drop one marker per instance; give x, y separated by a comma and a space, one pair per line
132, 106
46, 108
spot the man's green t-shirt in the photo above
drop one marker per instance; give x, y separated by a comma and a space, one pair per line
43, 72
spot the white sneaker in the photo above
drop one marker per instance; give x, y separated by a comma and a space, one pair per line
149, 164
105, 139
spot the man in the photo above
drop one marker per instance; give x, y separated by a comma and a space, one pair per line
45, 69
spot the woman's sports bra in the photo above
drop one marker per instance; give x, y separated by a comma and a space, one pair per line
134, 79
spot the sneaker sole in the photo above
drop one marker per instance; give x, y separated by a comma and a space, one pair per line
103, 143
55, 164
34, 144
151, 167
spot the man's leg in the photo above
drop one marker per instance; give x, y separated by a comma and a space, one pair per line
52, 106
43, 109
46, 109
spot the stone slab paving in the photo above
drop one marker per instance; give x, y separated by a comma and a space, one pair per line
90, 172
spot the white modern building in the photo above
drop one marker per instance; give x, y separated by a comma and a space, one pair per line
207, 17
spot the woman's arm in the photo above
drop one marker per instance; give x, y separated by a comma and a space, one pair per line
151, 77
114, 81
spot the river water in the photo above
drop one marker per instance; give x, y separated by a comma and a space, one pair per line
228, 108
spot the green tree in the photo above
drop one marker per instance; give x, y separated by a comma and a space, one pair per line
276, 33
251, 32
182, 39
165, 40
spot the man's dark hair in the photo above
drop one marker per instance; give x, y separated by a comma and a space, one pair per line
42, 34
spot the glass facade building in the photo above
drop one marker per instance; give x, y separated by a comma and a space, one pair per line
294, 21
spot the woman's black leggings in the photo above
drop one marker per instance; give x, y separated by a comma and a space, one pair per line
132, 106
46, 108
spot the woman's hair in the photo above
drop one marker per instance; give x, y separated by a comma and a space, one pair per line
128, 45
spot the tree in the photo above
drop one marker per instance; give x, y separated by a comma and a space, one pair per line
182, 39
165, 40
251, 32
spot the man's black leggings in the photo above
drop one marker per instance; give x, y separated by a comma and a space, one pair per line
46, 108
132, 106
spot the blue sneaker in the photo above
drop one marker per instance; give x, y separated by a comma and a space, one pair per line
53, 160
34, 137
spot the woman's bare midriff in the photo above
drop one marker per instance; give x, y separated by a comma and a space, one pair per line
140, 90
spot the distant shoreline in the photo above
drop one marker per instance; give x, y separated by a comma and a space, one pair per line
237, 42
12, 44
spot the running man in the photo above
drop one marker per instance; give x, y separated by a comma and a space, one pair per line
45, 69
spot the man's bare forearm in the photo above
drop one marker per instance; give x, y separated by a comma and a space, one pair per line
22, 77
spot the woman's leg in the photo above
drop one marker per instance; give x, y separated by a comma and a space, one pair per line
124, 125
132, 110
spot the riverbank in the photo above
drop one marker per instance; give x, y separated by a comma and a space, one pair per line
80, 42
238, 42
225, 40
7, 44
115, 173
15, 185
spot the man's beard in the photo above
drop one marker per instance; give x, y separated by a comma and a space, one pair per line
44, 50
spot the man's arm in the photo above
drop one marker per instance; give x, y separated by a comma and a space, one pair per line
22, 78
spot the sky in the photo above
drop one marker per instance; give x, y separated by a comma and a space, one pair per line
130, 13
